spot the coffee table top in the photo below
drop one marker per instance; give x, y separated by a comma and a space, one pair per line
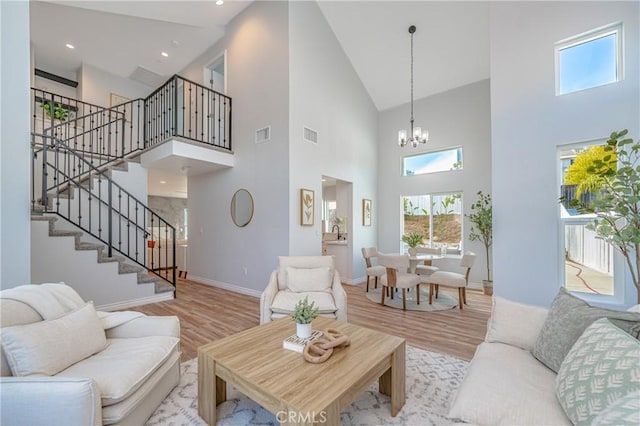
256, 359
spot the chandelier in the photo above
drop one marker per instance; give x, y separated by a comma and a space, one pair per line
417, 135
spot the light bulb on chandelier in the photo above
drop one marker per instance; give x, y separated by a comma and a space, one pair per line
417, 135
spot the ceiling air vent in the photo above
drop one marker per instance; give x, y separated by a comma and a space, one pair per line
263, 135
310, 135
147, 77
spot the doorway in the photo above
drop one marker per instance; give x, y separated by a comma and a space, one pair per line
215, 74
337, 224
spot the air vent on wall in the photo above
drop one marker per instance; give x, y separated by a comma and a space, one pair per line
310, 135
263, 135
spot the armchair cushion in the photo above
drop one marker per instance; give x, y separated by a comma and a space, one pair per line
285, 301
309, 279
48, 347
301, 262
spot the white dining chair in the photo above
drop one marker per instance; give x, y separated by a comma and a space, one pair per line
453, 279
397, 276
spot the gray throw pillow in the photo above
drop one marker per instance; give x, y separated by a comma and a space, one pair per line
567, 319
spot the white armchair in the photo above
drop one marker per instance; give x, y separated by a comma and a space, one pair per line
82, 367
298, 277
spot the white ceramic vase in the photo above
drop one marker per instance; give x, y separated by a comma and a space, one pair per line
303, 331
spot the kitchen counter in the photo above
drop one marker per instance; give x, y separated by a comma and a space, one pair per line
336, 242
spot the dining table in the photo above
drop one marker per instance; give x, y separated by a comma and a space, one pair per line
414, 260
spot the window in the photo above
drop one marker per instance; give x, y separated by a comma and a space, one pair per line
589, 265
432, 162
589, 60
438, 217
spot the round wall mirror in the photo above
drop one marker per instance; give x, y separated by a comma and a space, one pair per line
242, 207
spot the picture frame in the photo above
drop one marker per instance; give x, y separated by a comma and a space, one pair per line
307, 207
366, 212
115, 99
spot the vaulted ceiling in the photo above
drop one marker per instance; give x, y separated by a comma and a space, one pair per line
451, 41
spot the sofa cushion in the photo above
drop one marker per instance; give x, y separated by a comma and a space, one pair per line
506, 385
309, 279
124, 365
568, 317
624, 411
601, 367
48, 347
285, 301
515, 323
301, 262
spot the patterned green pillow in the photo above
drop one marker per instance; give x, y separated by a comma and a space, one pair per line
623, 412
601, 367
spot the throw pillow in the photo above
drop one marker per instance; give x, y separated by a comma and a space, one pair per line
308, 279
625, 411
515, 323
568, 317
600, 368
48, 347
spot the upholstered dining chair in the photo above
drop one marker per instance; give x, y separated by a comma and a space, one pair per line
397, 276
427, 268
453, 279
373, 271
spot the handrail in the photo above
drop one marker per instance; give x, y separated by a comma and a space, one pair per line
64, 159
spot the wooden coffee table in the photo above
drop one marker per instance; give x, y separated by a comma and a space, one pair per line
298, 392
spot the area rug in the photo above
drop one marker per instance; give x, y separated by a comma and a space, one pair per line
442, 303
432, 379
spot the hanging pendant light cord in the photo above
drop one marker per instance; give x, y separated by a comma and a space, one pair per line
411, 134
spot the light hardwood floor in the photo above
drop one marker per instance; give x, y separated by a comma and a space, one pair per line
207, 313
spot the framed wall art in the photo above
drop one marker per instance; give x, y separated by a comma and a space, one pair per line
307, 200
366, 212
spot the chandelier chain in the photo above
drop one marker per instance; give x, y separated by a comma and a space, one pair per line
412, 83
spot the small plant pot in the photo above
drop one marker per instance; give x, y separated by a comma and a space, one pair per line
487, 287
303, 331
413, 251
151, 244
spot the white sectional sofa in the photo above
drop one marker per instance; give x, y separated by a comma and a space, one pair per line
79, 366
507, 385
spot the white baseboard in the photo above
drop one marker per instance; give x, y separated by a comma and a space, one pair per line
136, 302
226, 286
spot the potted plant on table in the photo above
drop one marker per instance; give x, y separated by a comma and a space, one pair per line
413, 240
481, 218
303, 313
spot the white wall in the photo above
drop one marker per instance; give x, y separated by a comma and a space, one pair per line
327, 96
529, 122
14, 144
459, 117
257, 79
96, 85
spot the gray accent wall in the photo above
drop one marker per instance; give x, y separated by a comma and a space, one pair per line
15, 229
529, 122
458, 117
221, 253
328, 97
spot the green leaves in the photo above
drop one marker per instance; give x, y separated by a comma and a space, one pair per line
304, 311
413, 239
617, 205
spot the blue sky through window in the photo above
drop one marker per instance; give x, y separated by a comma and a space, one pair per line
589, 64
432, 162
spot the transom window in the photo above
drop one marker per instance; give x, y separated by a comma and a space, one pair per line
589, 60
432, 162
437, 217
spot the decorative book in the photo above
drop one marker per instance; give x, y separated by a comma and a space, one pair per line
295, 343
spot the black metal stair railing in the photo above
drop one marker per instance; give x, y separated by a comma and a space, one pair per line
100, 207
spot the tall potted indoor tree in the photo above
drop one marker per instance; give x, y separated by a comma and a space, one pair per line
617, 201
481, 218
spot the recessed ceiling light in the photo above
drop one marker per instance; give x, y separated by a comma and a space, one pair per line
220, 2
163, 182
165, 54
70, 46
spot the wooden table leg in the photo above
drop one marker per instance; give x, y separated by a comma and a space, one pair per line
212, 390
392, 382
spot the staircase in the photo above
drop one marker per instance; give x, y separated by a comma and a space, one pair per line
76, 146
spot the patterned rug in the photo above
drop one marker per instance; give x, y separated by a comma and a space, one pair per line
432, 379
442, 303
